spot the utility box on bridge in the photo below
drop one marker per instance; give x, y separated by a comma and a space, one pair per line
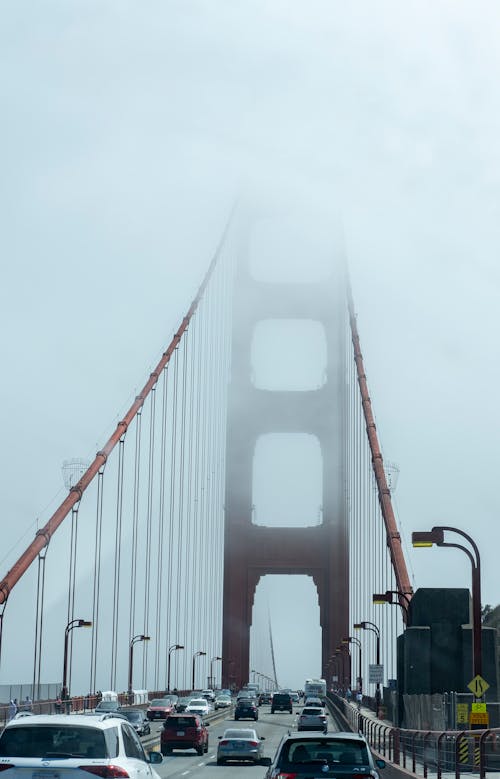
435, 651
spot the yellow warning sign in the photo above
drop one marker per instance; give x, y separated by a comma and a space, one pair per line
462, 713
479, 718
478, 686
478, 707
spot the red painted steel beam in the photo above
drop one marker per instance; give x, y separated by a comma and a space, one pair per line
384, 494
44, 535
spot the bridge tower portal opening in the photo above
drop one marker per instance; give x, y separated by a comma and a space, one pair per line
286, 617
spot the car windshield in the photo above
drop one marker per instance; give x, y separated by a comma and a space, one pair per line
160, 702
333, 750
240, 733
198, 702
53, 741
311, 710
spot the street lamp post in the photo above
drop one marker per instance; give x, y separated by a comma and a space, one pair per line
74, 623
436, 536
401, 599
134, 640
371, 626
212, 661
170, 650
199, 653
354, 640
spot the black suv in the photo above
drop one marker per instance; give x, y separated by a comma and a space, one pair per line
246, 708
340, 755
282, 701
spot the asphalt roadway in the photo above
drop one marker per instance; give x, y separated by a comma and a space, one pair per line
271, 726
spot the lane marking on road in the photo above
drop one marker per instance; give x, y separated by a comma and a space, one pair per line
184, 773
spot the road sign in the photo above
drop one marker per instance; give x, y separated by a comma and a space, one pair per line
376, 674
462, 713
479, 707
478, 686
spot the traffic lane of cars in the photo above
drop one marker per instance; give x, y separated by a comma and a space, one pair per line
190, 764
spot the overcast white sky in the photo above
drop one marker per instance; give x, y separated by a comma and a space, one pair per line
128, 127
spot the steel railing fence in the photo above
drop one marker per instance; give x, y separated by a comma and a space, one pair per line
427, 752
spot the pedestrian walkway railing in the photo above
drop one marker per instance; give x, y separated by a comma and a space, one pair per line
74, 705
427, 752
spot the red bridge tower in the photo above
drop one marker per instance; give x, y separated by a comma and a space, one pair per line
252, 551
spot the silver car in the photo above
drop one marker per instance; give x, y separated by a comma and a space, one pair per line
312, 718
222, 702
240, 744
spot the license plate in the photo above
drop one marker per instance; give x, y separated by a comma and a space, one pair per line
180, 732
45, 775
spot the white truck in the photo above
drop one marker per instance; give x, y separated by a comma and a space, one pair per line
315, 688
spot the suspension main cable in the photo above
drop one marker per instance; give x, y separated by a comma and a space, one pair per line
384, 495
75, 494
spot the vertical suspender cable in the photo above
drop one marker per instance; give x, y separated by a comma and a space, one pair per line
135, 523
217, 471
161, 540
72, 580
117, 564
97, 581
207, 623
40, 596
202, 616
182, 549
172, 573
197, 506
149, 522
189, 494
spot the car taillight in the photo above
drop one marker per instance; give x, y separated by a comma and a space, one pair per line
5, 766
286, 775
106, 771
254, 743
224, 742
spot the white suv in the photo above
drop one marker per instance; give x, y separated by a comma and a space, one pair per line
67, 746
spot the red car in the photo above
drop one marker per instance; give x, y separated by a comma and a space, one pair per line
184, 731
159, 708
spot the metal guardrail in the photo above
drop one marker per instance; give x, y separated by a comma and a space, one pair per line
424, 752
